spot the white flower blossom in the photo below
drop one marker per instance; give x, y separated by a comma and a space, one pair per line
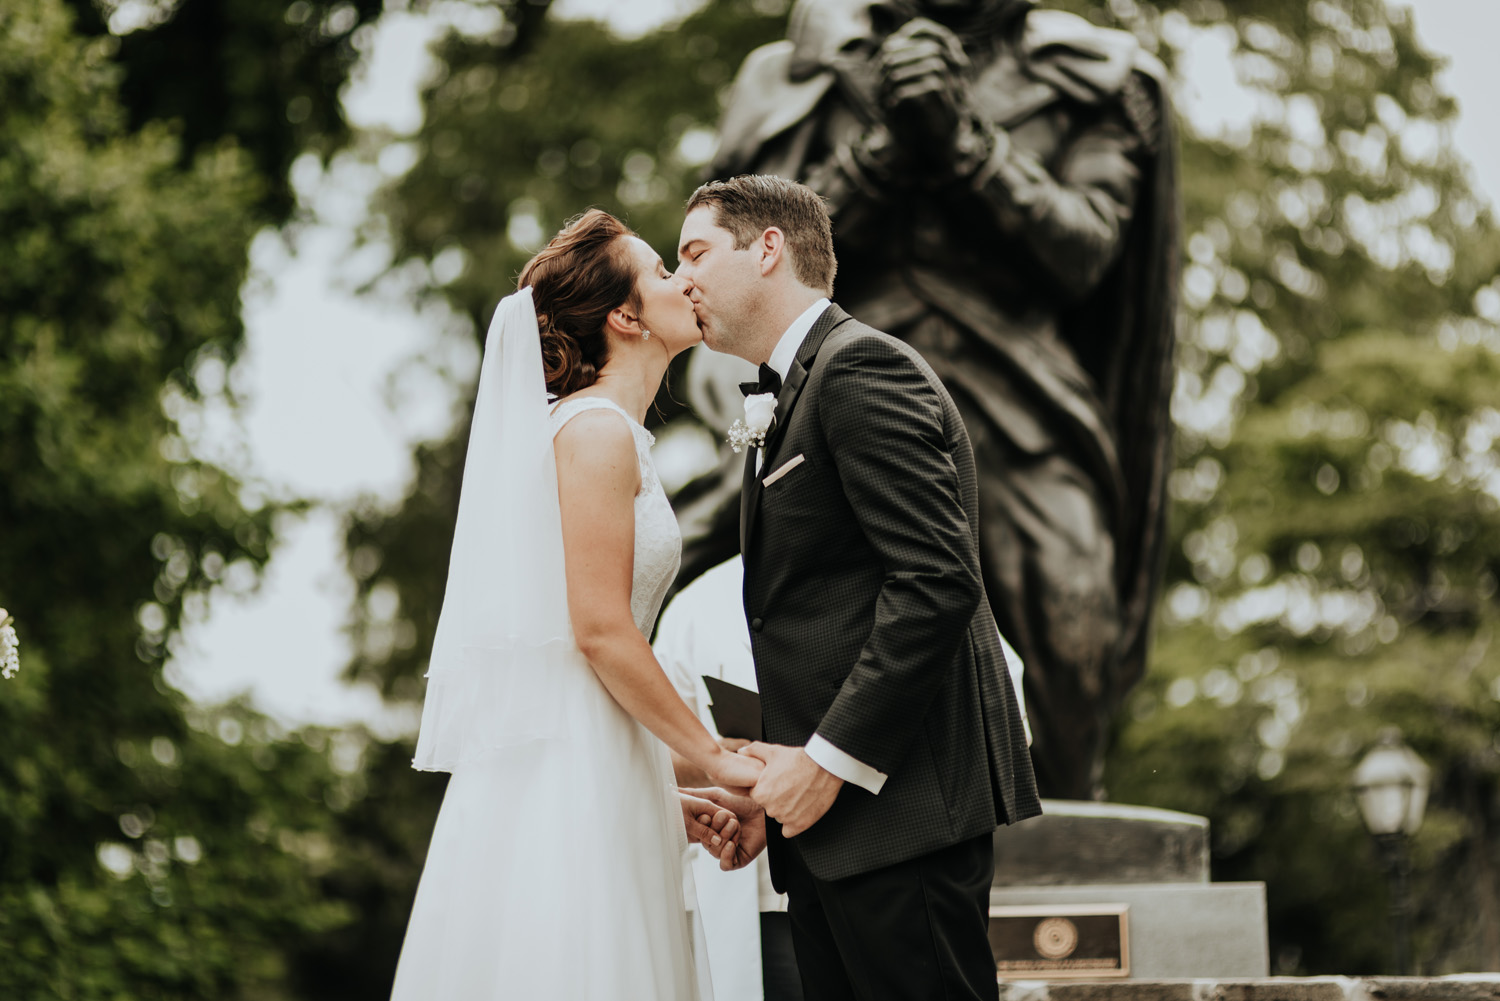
760, 412
10, 644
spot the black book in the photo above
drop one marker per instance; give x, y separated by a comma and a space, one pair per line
736, 710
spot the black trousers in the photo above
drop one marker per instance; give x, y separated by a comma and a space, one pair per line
913, 931
778, 960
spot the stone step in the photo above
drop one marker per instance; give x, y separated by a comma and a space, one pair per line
1468, 987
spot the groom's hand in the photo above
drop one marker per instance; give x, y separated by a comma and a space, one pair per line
794, 788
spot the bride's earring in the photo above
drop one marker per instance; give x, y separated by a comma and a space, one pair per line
645, 334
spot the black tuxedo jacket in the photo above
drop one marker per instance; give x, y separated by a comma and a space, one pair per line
867, 613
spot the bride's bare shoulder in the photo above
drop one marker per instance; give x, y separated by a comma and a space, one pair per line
587, 410
597, 445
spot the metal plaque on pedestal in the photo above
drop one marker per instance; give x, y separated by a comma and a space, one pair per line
1039, 942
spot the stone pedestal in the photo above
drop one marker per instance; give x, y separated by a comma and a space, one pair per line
1153, 864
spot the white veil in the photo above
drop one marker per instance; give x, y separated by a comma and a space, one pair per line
504, 644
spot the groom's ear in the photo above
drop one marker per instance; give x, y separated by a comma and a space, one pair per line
772, 250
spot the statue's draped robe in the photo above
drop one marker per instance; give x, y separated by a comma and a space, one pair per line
1042, 295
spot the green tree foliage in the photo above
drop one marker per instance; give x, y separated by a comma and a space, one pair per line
1335, 556
146, 849
265, 72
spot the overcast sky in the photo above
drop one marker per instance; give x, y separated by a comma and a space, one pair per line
339, 386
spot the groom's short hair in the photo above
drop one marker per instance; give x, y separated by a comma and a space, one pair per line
750, 204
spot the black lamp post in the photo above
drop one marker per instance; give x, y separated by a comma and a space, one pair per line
1391, 785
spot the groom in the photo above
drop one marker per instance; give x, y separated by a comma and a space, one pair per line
893, 742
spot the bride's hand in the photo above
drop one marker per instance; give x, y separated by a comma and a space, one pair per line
749, 842
750, 839
734, 771
709, 824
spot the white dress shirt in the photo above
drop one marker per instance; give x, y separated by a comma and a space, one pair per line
786, 349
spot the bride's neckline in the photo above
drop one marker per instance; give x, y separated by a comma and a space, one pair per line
578, 398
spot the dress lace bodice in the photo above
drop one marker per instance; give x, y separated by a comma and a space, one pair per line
658, 542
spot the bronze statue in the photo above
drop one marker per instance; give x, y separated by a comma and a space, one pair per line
1002, 185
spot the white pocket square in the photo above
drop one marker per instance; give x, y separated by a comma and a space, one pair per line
783, 470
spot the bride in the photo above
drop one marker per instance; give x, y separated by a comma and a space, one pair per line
556, 866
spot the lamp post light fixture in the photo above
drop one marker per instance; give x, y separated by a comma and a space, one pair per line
1391, 785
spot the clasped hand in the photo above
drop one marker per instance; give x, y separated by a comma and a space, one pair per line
791, 787
794, 789
725, 820
731, 826
921, 65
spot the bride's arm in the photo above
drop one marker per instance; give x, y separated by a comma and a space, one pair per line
597, 480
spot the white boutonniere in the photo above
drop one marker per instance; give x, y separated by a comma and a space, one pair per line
10, 660
760, 410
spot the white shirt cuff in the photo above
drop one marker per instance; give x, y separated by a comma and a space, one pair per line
851, 770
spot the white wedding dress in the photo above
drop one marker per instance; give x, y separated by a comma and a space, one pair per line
556, 869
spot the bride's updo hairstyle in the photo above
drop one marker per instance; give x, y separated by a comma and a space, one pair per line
576, 279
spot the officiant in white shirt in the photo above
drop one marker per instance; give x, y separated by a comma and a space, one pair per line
749, 936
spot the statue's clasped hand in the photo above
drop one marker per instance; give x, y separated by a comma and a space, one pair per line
921, 68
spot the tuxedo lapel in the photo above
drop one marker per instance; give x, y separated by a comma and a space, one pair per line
796, 376
791, 389
785, 400
748, 489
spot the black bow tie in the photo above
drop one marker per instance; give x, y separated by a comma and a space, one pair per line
769, 382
